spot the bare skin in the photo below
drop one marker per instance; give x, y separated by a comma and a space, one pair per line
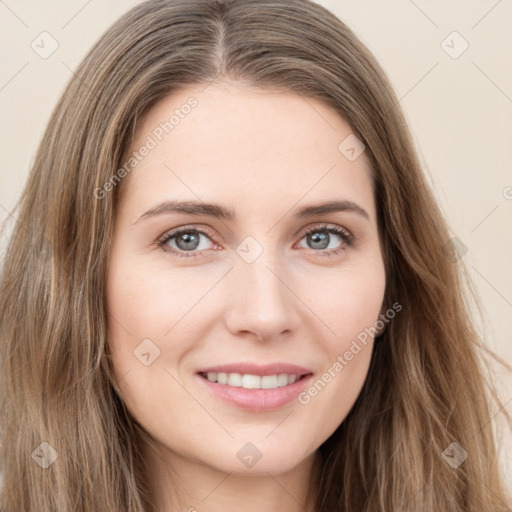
265, 156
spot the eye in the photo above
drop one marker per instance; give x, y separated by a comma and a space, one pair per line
183, 240
188, 240
320, 237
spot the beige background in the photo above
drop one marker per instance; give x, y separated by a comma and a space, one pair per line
459, 110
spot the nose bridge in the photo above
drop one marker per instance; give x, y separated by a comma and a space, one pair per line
262, 301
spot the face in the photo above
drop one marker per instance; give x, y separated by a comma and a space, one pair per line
268, 300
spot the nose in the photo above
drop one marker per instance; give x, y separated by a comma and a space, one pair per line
261, 301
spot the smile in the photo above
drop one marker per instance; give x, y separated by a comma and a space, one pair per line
254, 393
248, 381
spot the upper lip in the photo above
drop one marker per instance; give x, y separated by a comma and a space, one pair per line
255, 369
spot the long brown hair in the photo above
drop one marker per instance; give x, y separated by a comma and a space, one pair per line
68, 442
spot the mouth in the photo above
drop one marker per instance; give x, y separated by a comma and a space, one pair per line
250, 381
255, 388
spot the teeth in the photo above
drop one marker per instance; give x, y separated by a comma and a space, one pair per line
222, 378
251, 381
234, 379
248, 381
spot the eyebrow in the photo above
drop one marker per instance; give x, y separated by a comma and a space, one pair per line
222, 212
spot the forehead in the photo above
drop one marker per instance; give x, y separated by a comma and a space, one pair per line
238, 145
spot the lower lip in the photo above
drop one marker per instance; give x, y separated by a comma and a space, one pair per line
257, 400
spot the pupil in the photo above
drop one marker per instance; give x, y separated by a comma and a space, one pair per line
320, 237
190, 241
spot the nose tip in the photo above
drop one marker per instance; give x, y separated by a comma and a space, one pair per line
261, 301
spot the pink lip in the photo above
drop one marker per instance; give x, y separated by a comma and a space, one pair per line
257, 400
254, 369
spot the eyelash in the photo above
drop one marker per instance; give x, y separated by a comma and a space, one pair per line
347, 238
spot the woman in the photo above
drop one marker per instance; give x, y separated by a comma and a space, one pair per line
228, 285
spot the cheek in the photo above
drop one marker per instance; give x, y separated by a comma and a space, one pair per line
347, 301
332, 394
150, 300
150, 305
349, 305
145, 303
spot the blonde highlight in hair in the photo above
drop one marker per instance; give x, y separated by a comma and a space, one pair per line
427, 385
